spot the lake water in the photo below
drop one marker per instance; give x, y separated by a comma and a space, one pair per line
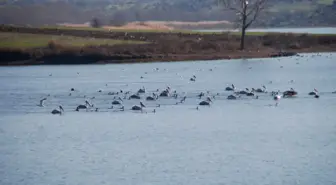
246, 141
323, 30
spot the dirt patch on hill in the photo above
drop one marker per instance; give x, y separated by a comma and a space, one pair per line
162, 25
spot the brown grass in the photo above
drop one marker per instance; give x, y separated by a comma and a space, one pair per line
158, 46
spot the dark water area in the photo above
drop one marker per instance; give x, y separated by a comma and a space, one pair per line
243, 141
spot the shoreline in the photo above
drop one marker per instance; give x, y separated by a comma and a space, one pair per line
155, 46
159, 59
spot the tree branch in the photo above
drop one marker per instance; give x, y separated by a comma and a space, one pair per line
227, 4
256, 9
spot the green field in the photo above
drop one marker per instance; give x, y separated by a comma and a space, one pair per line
13, 40
26, 41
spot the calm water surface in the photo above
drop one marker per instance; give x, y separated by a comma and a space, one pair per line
323, 30
246, 141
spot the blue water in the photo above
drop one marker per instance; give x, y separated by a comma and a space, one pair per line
245, 141
326, 30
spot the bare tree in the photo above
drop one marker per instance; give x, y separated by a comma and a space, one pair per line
247, 12
95, 23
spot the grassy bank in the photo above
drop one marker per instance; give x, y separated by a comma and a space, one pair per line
28, 46
29, 41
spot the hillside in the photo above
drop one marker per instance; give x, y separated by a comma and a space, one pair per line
116, 12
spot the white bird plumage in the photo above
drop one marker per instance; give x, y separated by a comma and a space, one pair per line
42, 102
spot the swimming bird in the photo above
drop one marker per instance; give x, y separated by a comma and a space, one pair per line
290, 93
277, 97
315, 92
260, 90
143, 90
243, 92
200, 95
193, 78
136, 107
86, 106
250, 94
81, 107
164, 93
55, 111
206, 102
42, 102
89, 104
232, 88
151, 98
232, 97
134, 96
183, 99
116, 102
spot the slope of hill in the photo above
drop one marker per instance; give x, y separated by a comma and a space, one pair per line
40, 12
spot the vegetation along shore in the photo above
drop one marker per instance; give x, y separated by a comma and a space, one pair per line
60, 45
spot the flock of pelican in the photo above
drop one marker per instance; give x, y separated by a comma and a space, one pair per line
206, 99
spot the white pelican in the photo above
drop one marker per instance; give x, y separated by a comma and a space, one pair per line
289, 93
81, 107
55, 111
134, 96
150, 98
206, 102
136, 107
231, 97
277, 97
116, 102
313, 92
143, 90
42, 102
84, 106
88, 104
232, 88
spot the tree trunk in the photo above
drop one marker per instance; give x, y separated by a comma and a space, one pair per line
243, 31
